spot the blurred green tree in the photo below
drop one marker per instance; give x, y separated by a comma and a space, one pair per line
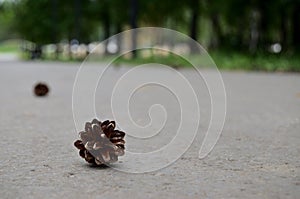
48, 21
250, 26
34, 22
7, 30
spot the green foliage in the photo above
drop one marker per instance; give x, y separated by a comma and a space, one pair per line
48, 21
154, 56
230, 22
9, 46
33, 20
262, 62
224, 60
222, 26
6, 20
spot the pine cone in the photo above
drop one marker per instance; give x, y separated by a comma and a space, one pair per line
100, 143
41, 89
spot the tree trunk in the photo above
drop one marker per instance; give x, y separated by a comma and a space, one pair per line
254, 33
106, 27
133, 23
54, 28
119, 37
263, 37
216, 38
296, 27
194, 23
284, 29
77, 19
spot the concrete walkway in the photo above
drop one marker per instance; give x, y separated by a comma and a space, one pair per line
257, 155
8, 57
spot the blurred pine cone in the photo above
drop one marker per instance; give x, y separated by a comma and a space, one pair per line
41, 89
100, 143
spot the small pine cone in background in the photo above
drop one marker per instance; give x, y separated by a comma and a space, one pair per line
100, 143
41, 89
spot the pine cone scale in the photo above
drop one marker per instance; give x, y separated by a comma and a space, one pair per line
88, 127
97, 146
81, 153
79, 145
121, 146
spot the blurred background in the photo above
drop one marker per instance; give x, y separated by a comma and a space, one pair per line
238, 34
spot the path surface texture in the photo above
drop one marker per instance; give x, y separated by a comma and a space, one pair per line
257, 155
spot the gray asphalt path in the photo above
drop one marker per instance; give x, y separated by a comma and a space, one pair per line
257, 155
5, 57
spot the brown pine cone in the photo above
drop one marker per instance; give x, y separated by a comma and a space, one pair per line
41, 89
100, 143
